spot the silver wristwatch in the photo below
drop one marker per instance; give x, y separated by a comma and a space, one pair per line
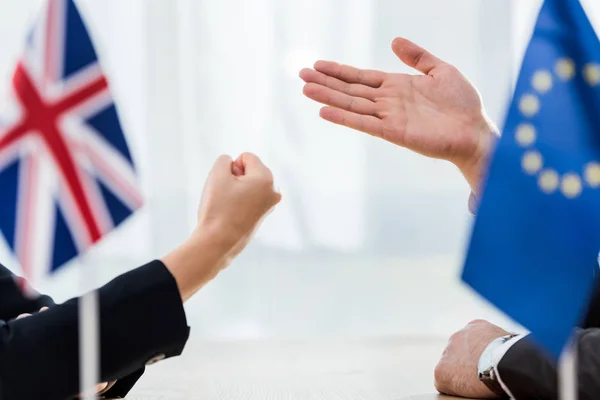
485, 367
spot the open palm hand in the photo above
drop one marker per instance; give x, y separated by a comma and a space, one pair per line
438, 114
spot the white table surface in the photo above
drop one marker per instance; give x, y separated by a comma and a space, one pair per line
374, 369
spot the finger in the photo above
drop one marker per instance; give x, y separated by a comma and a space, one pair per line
23, 316
415, 56
350, 74
252, 165
237, 168
341, 100
364, 123
43, 309
99, 388
353, 89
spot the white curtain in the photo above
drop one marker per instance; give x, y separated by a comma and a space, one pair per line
369, 239
242, 93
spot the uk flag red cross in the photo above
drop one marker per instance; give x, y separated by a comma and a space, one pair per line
66, 172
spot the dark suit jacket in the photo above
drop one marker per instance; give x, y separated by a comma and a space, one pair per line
530, 374
142, 319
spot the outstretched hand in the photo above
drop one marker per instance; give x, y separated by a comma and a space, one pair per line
438, 114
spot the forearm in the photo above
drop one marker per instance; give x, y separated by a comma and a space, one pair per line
198, 261
529, 373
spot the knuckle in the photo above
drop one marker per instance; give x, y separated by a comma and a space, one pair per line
440, 377
221, 161
267, 178
455, 336
418, 58
478, 322
350, 105
347, 88
453, 68
332, 83
360, 76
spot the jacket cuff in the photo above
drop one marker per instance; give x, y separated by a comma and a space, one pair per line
156, 311
498, 355
527, 371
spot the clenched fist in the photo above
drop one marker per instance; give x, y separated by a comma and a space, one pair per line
456, 372
237, 196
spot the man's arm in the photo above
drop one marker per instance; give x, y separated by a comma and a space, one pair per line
528, 373
521, 368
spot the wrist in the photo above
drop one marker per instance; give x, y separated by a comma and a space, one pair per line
475, 167
215, 235
488, 362
197, 261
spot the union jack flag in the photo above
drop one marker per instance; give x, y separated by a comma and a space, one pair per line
67, 177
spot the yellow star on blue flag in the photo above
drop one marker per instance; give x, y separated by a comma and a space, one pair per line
534, 247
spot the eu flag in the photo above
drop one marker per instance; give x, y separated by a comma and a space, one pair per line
535, 243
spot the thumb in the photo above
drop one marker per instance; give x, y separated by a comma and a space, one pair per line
415, 56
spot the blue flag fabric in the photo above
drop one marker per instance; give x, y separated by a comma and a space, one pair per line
534, 247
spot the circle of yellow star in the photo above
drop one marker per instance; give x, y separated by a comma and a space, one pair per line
529, 105
571, 186
526, 135
591, 73
548, 181
532, 162
542, 81
592, 174
565, 69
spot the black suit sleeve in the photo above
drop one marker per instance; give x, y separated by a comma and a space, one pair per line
13, 302
141, 316
530, 374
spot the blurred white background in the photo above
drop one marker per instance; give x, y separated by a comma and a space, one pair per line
370, 238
